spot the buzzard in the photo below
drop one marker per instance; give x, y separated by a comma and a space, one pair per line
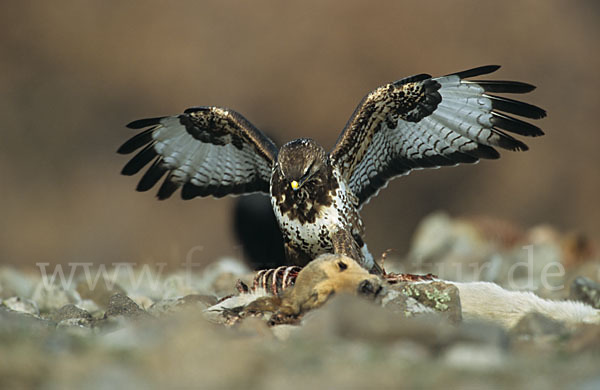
413, 123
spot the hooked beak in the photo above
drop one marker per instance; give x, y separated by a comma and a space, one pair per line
297, 184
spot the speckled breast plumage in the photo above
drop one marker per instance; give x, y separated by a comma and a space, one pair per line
307, 218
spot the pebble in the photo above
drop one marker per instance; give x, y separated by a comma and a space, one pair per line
534, 325
441, 297
122, 305
586, 290
69, 312
475, 357
22, 305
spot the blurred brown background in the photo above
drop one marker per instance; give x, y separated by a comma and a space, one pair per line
73, 73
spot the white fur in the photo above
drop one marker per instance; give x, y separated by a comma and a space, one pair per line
488, 301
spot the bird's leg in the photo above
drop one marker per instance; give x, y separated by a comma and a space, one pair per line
345, 244
376, 269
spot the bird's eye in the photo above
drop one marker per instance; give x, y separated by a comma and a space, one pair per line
307, 171
342, 266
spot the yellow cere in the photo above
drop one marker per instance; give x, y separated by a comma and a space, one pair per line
294, 184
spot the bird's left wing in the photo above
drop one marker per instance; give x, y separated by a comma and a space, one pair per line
206, 151
423, 122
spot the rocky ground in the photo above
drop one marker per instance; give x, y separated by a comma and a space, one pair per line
161, 331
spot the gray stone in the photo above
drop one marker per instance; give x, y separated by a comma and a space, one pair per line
14, 323
537, 325
400, 303
440, 297
586, 290
475, 357
68, 312
74, 323
122, 305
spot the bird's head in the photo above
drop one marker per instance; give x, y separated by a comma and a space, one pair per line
300, 160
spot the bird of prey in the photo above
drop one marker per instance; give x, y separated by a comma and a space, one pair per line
413, 123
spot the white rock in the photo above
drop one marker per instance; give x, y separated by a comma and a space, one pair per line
53, 296
22, 305
475, 357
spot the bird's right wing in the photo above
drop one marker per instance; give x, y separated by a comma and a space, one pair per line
206, 151
424, 122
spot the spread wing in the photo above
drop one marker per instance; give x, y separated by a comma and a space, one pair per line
205, 150
423, 122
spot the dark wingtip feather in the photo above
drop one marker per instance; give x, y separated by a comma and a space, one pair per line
189, 191
136, 142
461, 157
141, 123
139, 160
510, 143
485, 152
514, 144
502, 86
167, 188
481, 70
152, 175
516, 107
515, 125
